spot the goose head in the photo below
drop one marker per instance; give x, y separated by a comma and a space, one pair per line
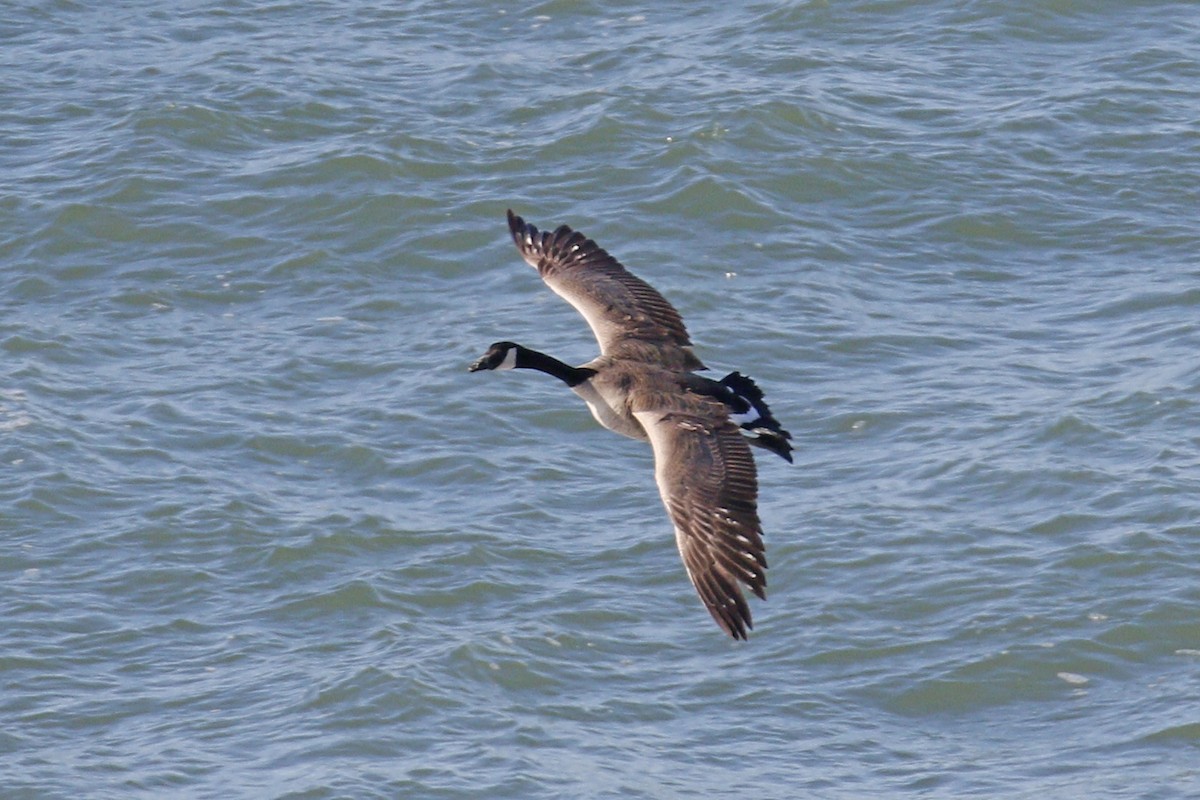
501, 355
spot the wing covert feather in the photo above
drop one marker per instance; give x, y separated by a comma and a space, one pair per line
706, 476
628, 316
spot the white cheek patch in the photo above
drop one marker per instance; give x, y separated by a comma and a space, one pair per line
510, 359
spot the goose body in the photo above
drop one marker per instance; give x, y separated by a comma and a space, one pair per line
644, 385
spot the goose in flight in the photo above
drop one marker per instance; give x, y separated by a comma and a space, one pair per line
644, 385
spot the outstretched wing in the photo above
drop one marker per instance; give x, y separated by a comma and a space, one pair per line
629, 318
707, 481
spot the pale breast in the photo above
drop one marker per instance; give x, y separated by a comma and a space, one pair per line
607, 396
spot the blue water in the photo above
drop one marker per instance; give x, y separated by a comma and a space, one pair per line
262, 535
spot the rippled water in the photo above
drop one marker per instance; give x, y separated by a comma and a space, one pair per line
264, 536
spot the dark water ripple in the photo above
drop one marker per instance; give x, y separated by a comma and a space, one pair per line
263, 536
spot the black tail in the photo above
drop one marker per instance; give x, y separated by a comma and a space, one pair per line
749, 409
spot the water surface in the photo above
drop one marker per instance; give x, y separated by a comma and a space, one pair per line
264, 536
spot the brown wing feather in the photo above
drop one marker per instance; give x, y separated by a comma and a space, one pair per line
706, 476
629, 318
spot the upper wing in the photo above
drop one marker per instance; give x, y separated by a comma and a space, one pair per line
707, 480
629, 317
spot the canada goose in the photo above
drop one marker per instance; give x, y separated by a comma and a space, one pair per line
643, 385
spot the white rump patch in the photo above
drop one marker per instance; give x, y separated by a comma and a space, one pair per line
742, 419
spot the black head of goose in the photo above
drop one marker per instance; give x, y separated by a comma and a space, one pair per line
643, 385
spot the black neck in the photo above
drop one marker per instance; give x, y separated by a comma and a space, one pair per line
532, 359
